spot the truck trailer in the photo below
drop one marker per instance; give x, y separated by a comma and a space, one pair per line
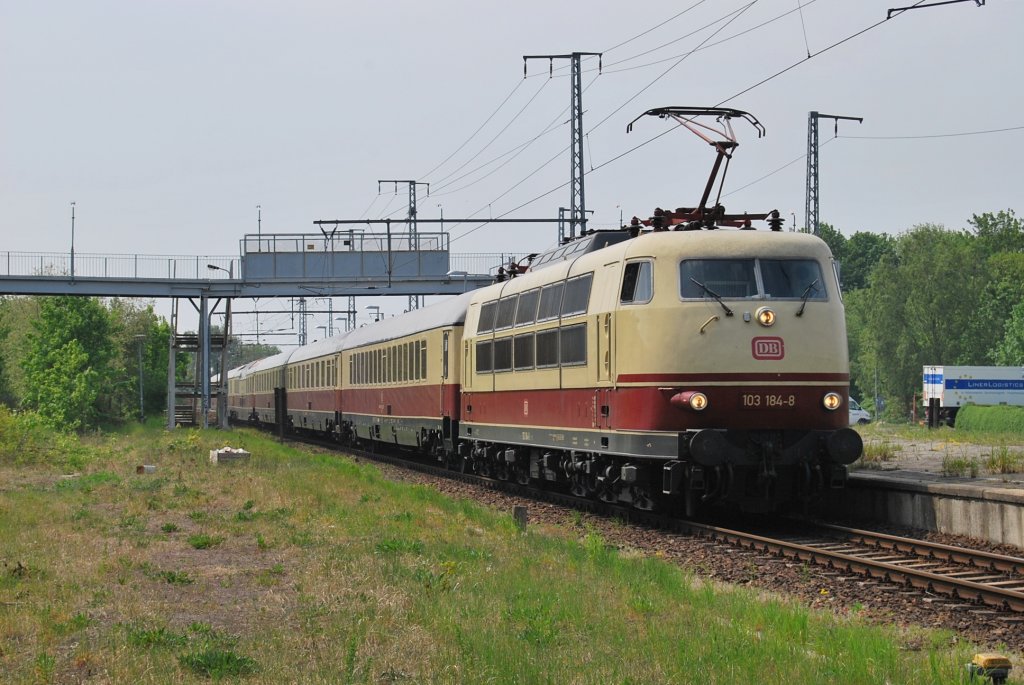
947, 388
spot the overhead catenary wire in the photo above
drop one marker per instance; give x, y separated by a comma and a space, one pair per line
495, 137
734, 16
653, 138
519, 82
810, 57
939, 135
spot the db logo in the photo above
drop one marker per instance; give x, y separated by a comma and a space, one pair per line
768, 348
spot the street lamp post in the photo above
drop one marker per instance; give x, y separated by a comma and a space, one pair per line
72, 241
142, 412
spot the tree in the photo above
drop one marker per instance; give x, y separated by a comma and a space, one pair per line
999, 232
68, 360
862, 252
917, 308
835, 240
1010, 350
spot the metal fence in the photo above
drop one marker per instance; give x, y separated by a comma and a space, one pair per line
87, 265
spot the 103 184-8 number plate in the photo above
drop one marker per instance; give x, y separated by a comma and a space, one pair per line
766, 400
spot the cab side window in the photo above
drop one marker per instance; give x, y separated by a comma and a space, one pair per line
637, 284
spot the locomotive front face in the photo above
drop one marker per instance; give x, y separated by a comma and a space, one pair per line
737, 342
743, 333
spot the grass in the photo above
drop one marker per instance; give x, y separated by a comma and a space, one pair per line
326, 572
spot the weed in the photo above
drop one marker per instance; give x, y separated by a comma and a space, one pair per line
261, 543
204, 541
169, 528
249, 504
877, 453
399, 547
405, 517
77, 622
1002, 460
180, 490
132, 523
245, 515
217, 664
958, 466
304, 539
444, 579
366, 498
45, 666
197, 515
148, 484
88, 482
139, 636
187, 441
175, 577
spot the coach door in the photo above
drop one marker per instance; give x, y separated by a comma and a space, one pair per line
605, 300
445, 336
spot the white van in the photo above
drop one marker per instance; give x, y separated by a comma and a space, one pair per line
858, 415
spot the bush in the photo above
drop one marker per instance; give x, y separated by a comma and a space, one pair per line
24, 437
1001, 419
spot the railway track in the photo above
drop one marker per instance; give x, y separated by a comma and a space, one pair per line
972, 576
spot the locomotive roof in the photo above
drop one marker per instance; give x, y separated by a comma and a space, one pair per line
445, 313
717, 244
725, 243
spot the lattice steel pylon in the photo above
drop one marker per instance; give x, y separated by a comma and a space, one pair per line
414, 300
577, 200
811, 202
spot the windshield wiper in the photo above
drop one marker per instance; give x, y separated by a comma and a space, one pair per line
806, 296
712, 293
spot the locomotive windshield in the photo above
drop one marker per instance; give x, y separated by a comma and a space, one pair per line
752, 279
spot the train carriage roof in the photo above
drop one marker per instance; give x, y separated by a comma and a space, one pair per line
271, 362
445, 313
319, 348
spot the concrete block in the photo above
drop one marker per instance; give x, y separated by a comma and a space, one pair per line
229, 455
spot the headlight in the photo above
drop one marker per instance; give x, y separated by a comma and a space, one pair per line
690, 399
765, 316
832, 401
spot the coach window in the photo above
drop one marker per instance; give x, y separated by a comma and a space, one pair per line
506, 313
707, 278
573, 345
637, 287
547, 348
423, 357
503, 354
550, 302
483, 357
487, 312
522, 351
526, 312
444, 357
577, 295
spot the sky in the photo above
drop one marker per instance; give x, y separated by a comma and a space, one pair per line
168, 121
